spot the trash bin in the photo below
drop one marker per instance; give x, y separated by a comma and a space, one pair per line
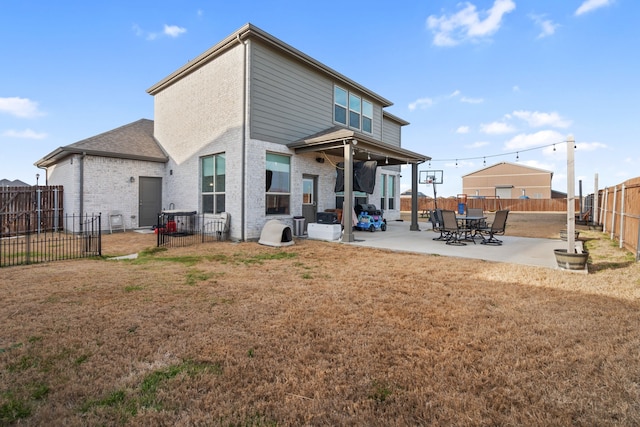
461, 207
298, 226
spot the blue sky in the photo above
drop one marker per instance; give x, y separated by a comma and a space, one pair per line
479, 81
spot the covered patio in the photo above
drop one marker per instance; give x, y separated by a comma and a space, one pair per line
355, 146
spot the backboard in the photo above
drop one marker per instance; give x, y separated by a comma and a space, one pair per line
430, 177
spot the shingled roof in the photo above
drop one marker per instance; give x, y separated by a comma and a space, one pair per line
134, 141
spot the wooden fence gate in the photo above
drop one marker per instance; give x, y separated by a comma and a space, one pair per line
42, 204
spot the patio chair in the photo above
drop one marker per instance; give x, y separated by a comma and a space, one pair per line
435, 218
497, 227
452, 228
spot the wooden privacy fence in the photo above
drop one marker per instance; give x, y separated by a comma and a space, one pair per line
42, 204
490, 204
618, 212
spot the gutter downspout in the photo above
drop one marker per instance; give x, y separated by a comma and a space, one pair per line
84, 154
244, 139
46, 175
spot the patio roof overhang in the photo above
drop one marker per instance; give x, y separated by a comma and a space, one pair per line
332, 141
355, 146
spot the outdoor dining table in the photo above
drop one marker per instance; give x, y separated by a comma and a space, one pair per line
470, 225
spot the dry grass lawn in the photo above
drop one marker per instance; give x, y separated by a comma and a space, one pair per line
239, 334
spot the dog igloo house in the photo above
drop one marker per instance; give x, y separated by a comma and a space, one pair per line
276, 233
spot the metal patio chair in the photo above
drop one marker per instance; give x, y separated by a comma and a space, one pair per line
452, 229
496, 228
435, 218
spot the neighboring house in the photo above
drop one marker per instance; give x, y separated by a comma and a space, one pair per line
14, 183
252, 127
508, 181
407, 193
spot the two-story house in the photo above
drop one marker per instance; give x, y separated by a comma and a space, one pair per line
252, 127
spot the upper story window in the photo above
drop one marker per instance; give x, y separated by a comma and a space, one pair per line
351, 110
355, 108
367, 116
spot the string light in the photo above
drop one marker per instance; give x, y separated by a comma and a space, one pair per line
484, 161
517, 156
517, 153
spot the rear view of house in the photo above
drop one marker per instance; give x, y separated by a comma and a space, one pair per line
251, 127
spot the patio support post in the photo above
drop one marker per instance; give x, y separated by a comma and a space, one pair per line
595, 213
414, 198
347, 205
571, 204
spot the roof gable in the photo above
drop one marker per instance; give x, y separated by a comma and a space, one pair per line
507, 165
251, 32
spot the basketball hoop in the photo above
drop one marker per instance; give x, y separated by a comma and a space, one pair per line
429, 181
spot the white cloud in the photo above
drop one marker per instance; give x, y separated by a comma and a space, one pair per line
462, 129
590, 5
20, 107
516, 88
524, 140
496, 128
174, 30
478, 144
454, 93
468, 100
169, 30
547, 27
421, 103
537, 119
590, 146
466, 24
25, 134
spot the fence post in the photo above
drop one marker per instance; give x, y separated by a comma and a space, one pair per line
39, 207
622, 216
605, 204
100, 234
613, 213
594, 208
55, 209
28, 237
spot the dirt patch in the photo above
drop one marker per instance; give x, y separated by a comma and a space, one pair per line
316, 334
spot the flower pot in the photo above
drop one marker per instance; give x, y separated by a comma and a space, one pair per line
569, 261
563, 234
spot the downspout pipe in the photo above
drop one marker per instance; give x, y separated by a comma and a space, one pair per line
244, 140
46, 175
82, 159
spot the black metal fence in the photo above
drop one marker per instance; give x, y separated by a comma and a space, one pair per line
78, 236
177, 228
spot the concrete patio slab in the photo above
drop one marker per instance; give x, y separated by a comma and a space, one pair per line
515, 250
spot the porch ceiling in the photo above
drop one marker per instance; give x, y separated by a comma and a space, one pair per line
333, 140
